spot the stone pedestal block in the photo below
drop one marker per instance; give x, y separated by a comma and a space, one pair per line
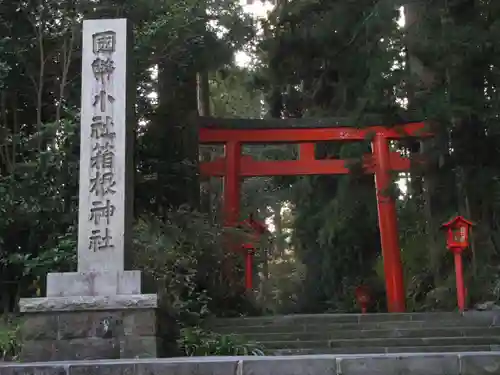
78, 328
93, 283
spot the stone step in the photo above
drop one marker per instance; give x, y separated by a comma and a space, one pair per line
455, 332
371, 333
335, 327
485, 317
383, 350
463, 363
387, 342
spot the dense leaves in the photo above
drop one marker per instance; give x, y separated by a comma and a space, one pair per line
350, 59
9, 339
347, 59
198, 342
178, 256
39, 139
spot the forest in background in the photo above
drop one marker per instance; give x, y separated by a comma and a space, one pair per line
313, 58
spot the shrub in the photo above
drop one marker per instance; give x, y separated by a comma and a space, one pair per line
195, 341
183, 257
9, 339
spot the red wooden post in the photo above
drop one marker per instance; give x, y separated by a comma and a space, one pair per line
231, 199
363, 298
232, 184
388, 227
307, 151
459, 274
457, 240
248, 269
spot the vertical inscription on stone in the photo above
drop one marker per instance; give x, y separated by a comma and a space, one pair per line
102, 176
104, 147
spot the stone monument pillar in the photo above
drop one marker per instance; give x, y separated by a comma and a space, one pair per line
99, 312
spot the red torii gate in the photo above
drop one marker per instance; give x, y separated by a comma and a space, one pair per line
381, 162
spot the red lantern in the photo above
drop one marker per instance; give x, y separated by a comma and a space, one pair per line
457, 240
363, 297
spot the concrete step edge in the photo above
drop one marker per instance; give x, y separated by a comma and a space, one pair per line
384, 342
376, 334
283, 319
382, 350
352, 327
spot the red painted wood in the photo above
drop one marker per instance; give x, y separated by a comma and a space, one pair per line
310, 135
232, 183
248, 270
388, 225
252, 168
307, 151
459, 280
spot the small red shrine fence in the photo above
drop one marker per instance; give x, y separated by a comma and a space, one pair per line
381, 162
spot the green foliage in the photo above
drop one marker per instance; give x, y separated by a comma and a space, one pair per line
38, 205
179, 257
195, 341
9, 339
61, 258
336, 58
232, 94
40, 76
350, 59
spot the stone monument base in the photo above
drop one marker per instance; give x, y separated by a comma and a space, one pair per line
77, 328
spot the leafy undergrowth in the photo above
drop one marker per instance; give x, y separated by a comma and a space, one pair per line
9, 339
196, 341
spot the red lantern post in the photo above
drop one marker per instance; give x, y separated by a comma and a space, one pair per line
363, 297
257, 229
457, 240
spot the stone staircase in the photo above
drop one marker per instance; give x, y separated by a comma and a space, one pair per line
474, 331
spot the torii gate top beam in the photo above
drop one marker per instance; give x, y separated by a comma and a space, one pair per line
416, 129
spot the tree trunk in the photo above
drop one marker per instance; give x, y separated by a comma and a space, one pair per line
203, 99
175, 127
203, 93
422, 79
278, 226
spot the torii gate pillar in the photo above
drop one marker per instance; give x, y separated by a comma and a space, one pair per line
388, 224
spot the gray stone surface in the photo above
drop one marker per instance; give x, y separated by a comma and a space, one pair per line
140, 347
410, 364
102, 324
351, 320
96, 334
450, 332
480, 365
371, 333
39, 369
93, 283
140, 322
430, 365
138, 301
38, 350
191, 367
107, 103
120, 369
39, 327
344, 328
292, 366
